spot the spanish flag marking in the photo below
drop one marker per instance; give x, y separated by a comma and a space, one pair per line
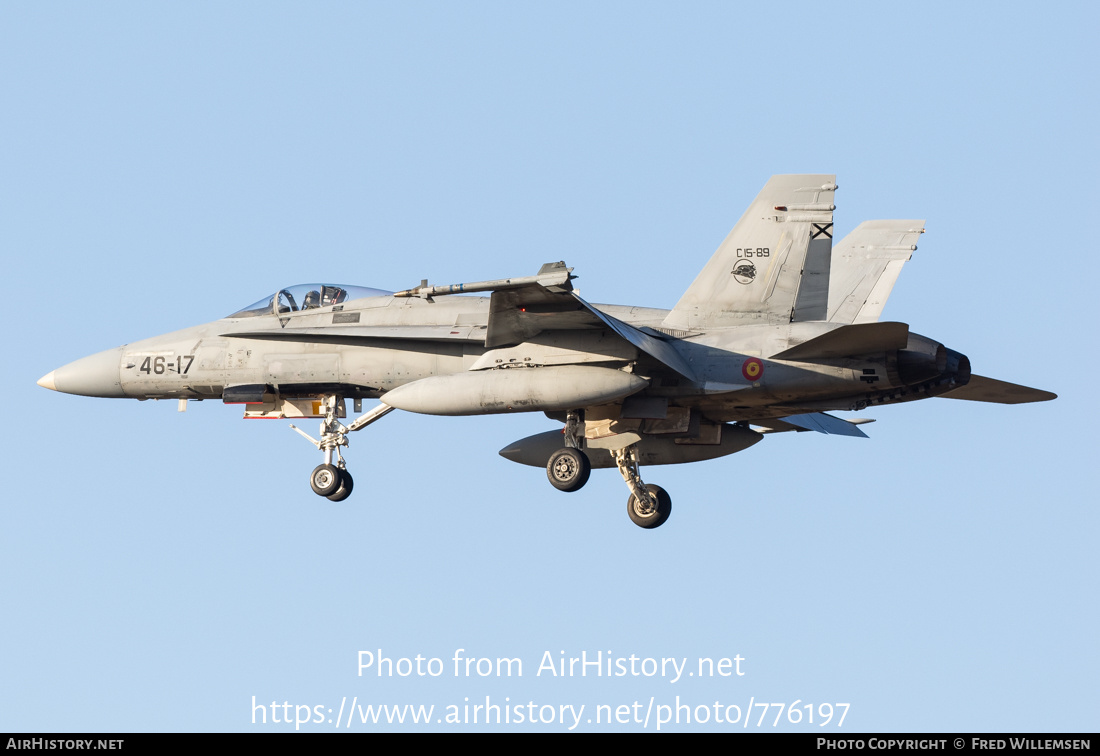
753, 369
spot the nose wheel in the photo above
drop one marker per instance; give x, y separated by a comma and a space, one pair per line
325, 479
343, 491
331, 479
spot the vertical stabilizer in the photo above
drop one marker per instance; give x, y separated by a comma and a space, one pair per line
756, 273
865, 266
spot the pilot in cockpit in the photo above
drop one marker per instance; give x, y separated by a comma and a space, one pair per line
312, 300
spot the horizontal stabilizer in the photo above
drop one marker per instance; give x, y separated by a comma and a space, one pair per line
982, 389
849, 341
817, 421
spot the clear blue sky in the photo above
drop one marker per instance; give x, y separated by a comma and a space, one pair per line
165, 165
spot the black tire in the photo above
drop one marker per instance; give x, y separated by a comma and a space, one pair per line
324, 479
568, 469
344, 490
655, 519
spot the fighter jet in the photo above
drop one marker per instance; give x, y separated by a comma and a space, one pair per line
778, 330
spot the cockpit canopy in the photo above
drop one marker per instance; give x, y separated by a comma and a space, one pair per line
307, 297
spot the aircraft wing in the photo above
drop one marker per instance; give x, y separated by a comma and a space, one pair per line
661, 350
522, 308
516, 315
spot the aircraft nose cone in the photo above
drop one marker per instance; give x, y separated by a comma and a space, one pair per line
95, 375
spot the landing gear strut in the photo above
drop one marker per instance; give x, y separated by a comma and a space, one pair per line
649, 505
569, 468
329, 479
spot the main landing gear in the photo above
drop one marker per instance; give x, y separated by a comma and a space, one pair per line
649, 505
568, 470
333, 481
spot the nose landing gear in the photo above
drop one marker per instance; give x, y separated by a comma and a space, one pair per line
343, 491
329, 479
325, 479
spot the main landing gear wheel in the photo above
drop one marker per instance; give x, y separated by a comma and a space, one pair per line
325, 480
344, 490
568, 469
644, 514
